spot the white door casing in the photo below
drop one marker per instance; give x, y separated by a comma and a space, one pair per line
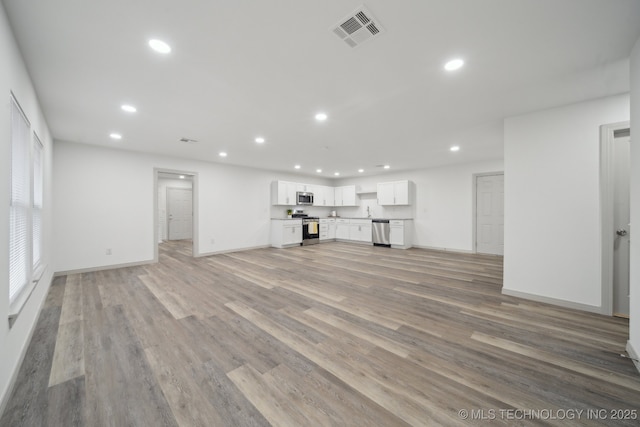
621, 218
614, 267
489, 221
180, 213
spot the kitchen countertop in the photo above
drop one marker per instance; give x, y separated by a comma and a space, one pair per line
360, 217
345, 217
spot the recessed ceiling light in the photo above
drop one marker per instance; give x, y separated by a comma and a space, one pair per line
321, 117
129, 108
455, 148
360, 170
454, 64
319, 170
159, 46
222, 154
181, 176
337, 173
260, 140
386, 166
297, 166
115, 136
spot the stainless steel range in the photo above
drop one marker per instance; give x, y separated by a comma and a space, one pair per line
310, 228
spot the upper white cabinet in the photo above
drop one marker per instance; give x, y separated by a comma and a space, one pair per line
283, 193
305, 188
345, 196
323, 196
395, 193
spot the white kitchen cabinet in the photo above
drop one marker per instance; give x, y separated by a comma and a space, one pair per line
286, 232
400, 233
306, 188
323, 196
345, 196
283, 193
327, 229
342, 229
394, 193
360, 230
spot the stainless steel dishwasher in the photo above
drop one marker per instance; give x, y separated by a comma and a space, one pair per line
380, 232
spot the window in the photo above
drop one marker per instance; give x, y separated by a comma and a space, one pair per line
25, 210
19, 233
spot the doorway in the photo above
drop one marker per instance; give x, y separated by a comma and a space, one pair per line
489, 213
614, 200
175, 207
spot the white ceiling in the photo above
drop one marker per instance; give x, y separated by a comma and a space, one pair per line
246, 68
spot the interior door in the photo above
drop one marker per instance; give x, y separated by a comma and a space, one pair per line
490, 214
180, 212
621, 168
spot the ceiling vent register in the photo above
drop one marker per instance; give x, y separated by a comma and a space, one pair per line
357, 27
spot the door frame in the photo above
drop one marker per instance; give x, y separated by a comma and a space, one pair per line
195, 204
474, 211
608, 134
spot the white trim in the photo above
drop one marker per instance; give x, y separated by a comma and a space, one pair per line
607, 137
21, 299
228, 251
435, 248
553, 301
103, 268
633, 354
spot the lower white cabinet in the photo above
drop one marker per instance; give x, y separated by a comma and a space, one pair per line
327, 229
342, 229
400, 232
354, 230
286, 232
360, 230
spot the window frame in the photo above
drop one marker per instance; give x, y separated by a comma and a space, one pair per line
26, 149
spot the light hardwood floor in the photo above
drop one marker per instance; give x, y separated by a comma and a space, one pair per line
333, 334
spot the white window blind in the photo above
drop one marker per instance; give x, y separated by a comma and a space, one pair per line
36, 209
19, 241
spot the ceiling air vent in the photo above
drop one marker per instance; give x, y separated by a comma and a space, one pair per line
357, 27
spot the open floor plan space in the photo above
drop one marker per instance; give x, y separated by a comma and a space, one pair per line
332, 334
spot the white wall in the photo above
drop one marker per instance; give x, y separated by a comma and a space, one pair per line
104, 199
14, 77
552, 202
634, 323
443, 204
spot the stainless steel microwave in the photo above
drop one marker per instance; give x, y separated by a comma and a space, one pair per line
304, 198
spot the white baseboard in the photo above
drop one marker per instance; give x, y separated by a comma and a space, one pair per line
435, 248
102, 268
553, 301
228, 251
635, 356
